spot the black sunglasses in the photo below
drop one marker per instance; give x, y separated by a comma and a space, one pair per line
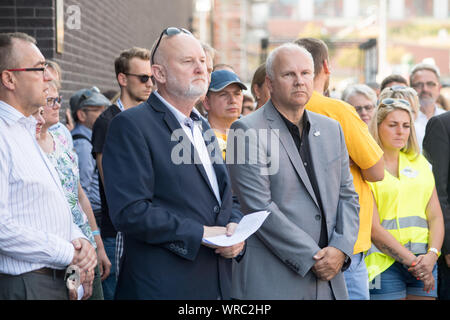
171, 31
142, 77
390, 101
400, 88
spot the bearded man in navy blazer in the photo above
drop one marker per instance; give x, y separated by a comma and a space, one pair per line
167, 186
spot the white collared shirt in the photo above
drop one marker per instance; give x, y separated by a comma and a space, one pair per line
421, 123
36, 225
196, 137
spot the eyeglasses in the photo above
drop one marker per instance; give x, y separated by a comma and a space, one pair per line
43, 69
391, 101
52, 101
142, 77
171, 31
420, 85
368, 108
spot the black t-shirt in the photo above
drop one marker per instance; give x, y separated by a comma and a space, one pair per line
98, 141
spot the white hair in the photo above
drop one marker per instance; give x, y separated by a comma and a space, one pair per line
361, 89
276, 51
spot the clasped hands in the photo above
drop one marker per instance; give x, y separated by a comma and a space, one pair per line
329, 262
422, 269
85, 258
226, 252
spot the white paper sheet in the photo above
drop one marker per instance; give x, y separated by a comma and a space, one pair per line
249, 224
80, 292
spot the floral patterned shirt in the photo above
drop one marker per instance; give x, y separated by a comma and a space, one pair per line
66, 163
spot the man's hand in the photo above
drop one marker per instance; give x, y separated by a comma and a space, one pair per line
329, 262
84, 257
226, 252
87, 283
447, 259
103, 263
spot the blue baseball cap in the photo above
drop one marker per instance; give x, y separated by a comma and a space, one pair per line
223, 78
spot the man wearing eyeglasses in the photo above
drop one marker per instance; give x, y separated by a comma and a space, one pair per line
133, 74
425, 79
38, 238
163, 206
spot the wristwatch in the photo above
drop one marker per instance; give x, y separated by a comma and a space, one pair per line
436, 251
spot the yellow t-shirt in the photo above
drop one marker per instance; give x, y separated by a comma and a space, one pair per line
362, 149
222, 140
402, 204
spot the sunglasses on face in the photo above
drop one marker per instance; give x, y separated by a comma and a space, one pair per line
51, 102
391, 101
171, 31
142, 77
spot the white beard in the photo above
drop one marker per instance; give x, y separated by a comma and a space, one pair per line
192, 91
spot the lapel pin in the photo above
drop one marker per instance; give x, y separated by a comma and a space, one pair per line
316, 133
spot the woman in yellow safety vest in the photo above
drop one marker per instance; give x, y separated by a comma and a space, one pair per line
408, 227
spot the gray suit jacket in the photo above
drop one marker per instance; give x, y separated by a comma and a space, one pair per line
279, 256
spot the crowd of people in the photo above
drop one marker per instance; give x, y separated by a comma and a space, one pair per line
120, 197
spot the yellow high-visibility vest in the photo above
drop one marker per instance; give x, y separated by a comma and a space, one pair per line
401, 204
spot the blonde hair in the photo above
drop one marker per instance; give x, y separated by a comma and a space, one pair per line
55, 66
412, 147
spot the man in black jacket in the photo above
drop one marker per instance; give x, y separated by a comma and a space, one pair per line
436, 147
133, 75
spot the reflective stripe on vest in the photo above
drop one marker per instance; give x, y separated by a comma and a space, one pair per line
405, 222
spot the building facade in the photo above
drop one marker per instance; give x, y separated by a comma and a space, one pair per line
85, 37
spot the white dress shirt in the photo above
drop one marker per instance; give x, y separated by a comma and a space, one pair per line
196, 137
421, 123
36, 224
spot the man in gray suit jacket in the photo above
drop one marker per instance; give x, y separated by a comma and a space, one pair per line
293, 163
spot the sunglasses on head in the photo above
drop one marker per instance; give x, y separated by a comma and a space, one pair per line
142, 77
171, 31
391, 101
400, 88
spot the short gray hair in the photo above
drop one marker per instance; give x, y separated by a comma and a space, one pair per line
7, 57
276, 51
362, 89
425, 66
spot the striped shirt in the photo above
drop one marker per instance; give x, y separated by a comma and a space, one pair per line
36, 224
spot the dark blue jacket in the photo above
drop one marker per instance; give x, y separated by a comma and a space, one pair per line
161, 208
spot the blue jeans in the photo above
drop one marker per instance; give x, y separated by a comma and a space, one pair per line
109, 284
397, 282
357, 278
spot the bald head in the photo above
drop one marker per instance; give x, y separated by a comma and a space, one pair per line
179, 67
285, 48
290, 76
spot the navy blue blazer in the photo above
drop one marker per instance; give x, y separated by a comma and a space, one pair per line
161, 208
